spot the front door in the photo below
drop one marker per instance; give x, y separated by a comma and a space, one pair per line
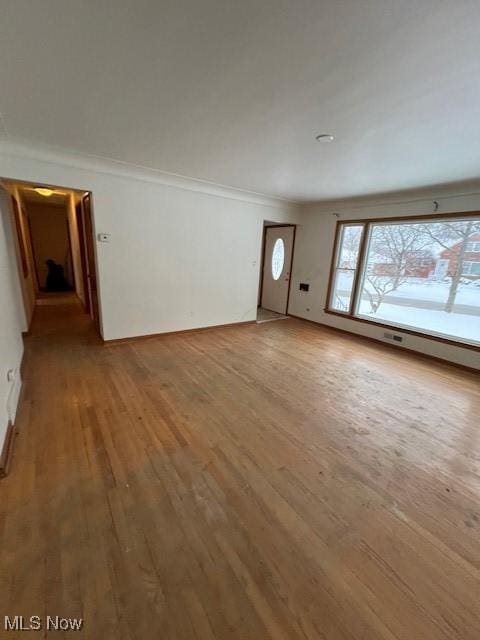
277, 263
441, 269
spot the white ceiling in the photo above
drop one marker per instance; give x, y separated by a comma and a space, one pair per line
234, 91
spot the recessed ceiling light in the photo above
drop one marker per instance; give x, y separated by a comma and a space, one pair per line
325, 137
44, 192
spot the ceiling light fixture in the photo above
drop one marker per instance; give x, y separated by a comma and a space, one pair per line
325, 137
44, 192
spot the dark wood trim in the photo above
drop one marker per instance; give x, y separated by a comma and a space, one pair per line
83, 255
414, 218
34, 257
411, 332
278, 226
395, 347
174, 333
90, 245
333, 261
291, 266
48, 185
7, 451
350, 314
262, 266
359, 268
69, 238
31, 257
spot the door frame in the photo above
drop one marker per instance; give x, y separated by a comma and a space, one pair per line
36, 279
83, 254
91, 252
264, 240
87, 194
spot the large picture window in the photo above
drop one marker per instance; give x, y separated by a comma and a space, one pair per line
421, 275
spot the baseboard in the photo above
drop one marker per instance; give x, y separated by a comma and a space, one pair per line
419, 354
7, 451
179, 332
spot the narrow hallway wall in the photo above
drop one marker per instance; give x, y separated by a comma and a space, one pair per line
11, 318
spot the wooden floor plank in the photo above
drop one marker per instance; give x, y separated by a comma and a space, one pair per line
272, 481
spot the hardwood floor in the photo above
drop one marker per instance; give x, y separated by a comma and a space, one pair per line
264, 481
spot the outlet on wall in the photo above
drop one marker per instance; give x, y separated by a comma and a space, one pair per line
394, 337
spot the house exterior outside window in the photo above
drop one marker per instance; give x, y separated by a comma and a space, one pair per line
474, 247
471, 268
471, 259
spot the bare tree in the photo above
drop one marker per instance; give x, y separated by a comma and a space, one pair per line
350, 246
448, 235
382, 286
347, 261
391, 246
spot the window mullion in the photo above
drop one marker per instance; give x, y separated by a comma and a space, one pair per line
358, 277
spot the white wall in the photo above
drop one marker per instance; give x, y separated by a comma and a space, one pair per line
182, 253
28, 284
11, 317
313, 253
186, 254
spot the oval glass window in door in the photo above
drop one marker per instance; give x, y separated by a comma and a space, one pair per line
278, 258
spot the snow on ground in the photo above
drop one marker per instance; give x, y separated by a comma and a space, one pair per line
447, 324
466, 327
438, 291
425, 289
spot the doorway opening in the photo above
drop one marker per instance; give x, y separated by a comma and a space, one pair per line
275, 274
55, 250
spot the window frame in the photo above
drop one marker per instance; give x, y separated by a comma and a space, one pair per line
335, 267
470, 272
368, 223
474, 246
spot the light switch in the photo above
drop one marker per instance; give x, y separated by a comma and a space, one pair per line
103, 237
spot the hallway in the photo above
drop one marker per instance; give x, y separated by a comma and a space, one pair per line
59, 315
233, 483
